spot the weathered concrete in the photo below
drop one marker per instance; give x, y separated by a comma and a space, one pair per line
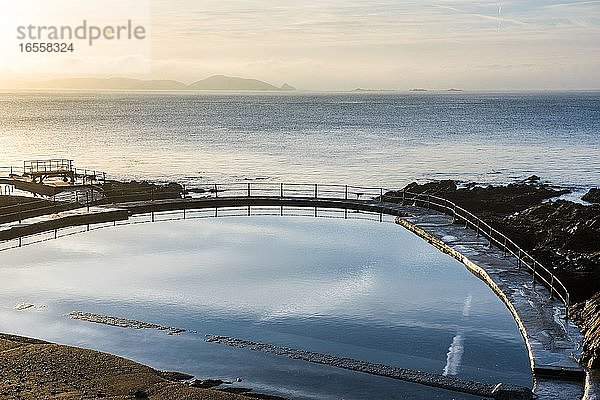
49, 222
553, 343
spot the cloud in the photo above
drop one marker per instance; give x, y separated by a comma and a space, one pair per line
334, 44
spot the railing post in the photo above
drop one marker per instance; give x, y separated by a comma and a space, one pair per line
519, 263
281, 189
248, 189
316, 190
403, 195
534, 272
551, 286
346, 193
216, 192
381, 195
567, 305
504, 246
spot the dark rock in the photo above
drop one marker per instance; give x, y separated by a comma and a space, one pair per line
196, 190
236, 390
592, 196
140, 394
532, 179
121, 192
207, 383
587, 316
563, 236
175, 376
485, 201
264, 396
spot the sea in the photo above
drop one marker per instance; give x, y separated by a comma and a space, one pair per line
381, 139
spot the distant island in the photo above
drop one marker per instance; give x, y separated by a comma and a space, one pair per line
426, 90
216, 82
372, 90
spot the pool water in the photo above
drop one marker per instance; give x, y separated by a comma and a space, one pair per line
351, 288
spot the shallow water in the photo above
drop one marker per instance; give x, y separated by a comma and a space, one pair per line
352, 288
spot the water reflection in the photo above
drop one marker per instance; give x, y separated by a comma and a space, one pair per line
352, 288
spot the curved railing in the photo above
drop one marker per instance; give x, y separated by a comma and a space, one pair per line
538, 271
347, 193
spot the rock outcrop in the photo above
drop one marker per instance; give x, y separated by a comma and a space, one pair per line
120, 192
592, 196
587, 316
489, 200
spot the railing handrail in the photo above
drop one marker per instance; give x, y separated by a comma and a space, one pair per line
379, 194
28, 170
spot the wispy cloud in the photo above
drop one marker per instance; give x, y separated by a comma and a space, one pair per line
335, 44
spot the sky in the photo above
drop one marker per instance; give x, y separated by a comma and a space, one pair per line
342, 45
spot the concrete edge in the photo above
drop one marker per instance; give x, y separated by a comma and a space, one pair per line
476, 270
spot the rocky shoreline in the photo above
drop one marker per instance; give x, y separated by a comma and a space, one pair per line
36, 369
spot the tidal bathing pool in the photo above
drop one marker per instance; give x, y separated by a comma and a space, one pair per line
350, 288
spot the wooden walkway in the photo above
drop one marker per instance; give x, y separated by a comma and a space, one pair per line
553, 342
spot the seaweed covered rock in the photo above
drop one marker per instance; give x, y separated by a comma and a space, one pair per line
587, 316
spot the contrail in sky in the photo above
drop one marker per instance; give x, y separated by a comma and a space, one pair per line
499, 16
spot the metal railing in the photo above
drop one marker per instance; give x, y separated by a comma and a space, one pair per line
187, 214
524, 259
10, 171
348, 193
34, 166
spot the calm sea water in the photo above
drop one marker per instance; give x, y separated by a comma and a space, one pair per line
352, 288
383, 139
